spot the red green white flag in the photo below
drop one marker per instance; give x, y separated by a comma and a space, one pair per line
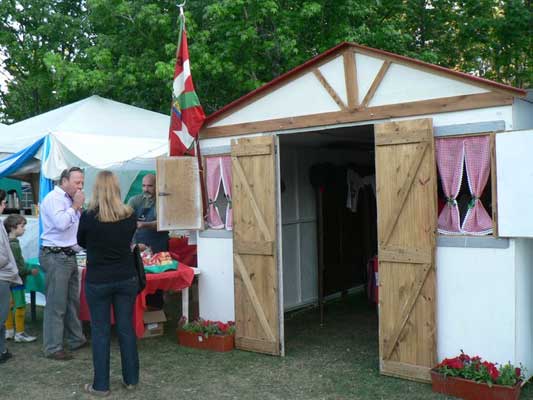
187, 114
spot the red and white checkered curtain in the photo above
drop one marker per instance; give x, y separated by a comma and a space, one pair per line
226, 180
450, 156
214, 177
477, 160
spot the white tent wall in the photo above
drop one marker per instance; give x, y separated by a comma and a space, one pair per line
484, 294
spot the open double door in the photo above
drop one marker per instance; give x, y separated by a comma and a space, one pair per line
406, 196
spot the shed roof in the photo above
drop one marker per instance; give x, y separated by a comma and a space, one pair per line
330, 54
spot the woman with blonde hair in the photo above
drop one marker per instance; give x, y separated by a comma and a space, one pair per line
105, 231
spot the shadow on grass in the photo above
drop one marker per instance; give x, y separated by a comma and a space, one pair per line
337, 361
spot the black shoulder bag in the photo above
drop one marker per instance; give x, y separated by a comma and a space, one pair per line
139, 267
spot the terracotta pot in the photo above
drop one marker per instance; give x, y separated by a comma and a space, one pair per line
470, 390
211, 342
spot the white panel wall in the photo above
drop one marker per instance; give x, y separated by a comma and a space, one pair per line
524, 303
514, 172
303, 96
334, 74
522, 114
402, 84
367, 69
476, 302
215, 283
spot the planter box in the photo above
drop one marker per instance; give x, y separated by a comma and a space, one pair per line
199, 341
470, 390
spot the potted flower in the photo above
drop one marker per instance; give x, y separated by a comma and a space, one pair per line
471, 378
206, 334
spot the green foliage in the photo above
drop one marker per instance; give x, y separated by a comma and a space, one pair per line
58, 52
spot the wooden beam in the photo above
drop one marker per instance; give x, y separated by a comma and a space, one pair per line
402, 194
241, 269
415, 108
406, 311
350, 78
251, 344
406, 371
262, 248
261, 223
494, 184
403, 255
329, 89
375, 84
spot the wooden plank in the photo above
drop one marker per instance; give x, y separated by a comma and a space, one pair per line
256, 276
250, 150
178, 206
407, 371
329, 89
406, 311
375, 84
404, 191
403, 255
416, 108
265, 248
237, 169
251, 344
350, 78
241, 269
407, 318
494, 185
399, 136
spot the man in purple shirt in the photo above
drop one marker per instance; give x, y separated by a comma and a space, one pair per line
60, 214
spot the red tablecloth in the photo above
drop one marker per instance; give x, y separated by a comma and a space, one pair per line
181, 250
171, 280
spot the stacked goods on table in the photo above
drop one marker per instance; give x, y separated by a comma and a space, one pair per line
158, 262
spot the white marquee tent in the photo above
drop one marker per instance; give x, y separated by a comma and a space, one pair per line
94, 133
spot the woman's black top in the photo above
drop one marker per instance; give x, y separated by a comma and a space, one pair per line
109, 257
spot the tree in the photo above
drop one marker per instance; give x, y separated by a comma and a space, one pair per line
62, 51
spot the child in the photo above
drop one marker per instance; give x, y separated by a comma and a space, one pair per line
15, 225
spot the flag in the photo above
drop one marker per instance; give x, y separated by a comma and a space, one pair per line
187, 115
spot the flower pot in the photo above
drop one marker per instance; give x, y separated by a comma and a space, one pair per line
220, 343
470, 390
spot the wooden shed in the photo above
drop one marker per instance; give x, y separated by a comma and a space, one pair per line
376, 117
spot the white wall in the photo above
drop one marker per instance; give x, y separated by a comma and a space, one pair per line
522, 114
524, 303
215, 283
476, 302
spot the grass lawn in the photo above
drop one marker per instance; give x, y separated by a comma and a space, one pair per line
336, 362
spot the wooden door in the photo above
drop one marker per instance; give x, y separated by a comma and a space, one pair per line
255, 235
178, 194
407, 219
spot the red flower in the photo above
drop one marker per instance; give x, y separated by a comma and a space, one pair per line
518, 372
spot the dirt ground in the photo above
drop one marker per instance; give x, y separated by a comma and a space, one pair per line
338, 361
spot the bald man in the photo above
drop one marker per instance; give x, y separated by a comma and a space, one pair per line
144, 208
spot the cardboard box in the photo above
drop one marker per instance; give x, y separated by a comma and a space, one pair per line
153, 323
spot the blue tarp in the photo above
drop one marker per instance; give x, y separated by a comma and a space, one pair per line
15, 161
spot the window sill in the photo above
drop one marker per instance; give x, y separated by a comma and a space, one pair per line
485, 242
216, 234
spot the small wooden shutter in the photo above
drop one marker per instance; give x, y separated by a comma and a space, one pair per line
514, 171
407, 218
257, 313
179, 195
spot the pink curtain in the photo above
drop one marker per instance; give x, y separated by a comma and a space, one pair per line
226, 180
477, 160
450, 156
214, 177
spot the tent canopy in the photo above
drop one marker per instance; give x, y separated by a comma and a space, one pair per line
94, 132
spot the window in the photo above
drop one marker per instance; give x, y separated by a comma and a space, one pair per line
218, 183
465, 185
